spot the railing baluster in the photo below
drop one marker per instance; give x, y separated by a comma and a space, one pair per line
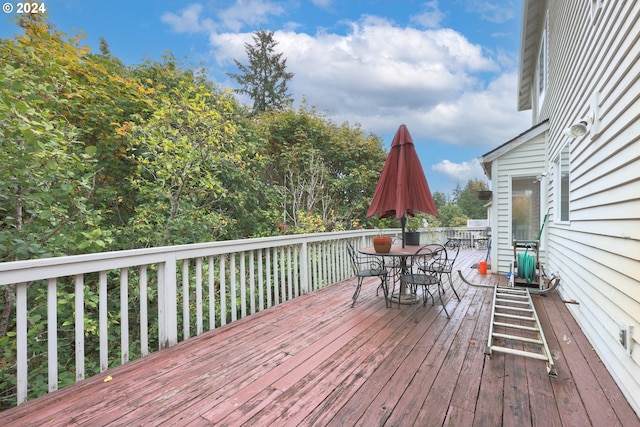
223, 292
315, 265
185, 299
276, 292
334, 259
283, 277
102, 322
52, 333
243, 285
198, 295
144, 316
252, 281
304, 268
212, 296
268, 278
124, 315
296, 274
79, 326
289, 274
323, 264
232, 287
260, 282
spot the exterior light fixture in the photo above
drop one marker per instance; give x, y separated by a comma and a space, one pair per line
580, 128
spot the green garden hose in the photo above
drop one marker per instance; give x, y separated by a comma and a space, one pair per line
526, 266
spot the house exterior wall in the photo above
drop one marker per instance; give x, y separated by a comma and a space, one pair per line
594, 68
527, 159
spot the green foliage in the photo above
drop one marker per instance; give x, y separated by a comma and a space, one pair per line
320, 169
463, 206
47, 178
265, 79
468, 201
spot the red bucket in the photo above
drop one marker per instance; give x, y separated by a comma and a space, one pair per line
482, 267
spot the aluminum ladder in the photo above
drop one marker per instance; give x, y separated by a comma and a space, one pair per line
513, 312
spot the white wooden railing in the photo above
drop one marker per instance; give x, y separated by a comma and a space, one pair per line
178, 291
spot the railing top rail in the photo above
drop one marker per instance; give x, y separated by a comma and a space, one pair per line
37, 269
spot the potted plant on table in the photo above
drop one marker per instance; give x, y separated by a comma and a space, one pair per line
411, 235
382, 244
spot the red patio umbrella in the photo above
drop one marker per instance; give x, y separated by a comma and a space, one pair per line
402, 188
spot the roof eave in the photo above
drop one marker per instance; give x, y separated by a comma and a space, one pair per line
487, 158
529, 41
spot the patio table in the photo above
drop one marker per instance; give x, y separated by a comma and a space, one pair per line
397, 252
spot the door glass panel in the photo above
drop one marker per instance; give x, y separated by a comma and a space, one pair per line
525, 208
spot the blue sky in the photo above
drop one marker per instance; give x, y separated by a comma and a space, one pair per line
447, 69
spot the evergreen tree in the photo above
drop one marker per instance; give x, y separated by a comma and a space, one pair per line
265, 79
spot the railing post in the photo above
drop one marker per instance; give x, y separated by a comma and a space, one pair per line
167, 302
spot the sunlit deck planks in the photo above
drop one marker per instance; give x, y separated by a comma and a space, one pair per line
316, 361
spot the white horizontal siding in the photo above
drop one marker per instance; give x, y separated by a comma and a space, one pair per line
596, 66
524, 160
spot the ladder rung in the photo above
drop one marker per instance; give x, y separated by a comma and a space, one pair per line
506, 307
517, 338
529, 354
513, 297
512, 316
521, 327
512, 301
506, 291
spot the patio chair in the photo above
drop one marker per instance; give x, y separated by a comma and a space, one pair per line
367, 267
453, 249
429, 262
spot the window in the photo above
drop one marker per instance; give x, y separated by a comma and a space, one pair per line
525, 208
562, 184
541, 68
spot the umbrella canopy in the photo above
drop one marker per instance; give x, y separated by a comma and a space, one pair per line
402, 188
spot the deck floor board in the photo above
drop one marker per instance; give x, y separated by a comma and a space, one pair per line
317, 361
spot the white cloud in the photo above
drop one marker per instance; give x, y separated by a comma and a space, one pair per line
484, 117
243, 13
379, 74
431, 17
460, 172
249, 13
189, 20
492, 11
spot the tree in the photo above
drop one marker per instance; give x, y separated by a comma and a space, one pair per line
322, 171
48, 172
265, 79
468, 201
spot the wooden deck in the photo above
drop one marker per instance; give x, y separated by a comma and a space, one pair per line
316, 361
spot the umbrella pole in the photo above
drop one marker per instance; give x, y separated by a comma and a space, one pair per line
403, 221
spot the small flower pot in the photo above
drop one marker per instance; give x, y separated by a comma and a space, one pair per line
412, 238
382, 245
